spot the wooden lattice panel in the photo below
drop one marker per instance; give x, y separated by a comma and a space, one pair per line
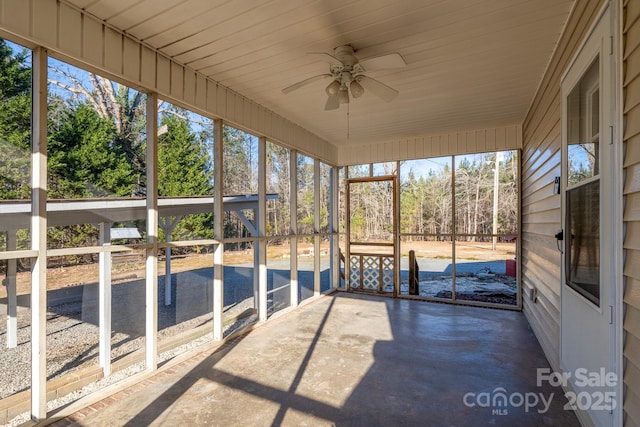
354, 271
387, 272
370, 273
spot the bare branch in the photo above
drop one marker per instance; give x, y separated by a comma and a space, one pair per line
102, 101
77, 91
109, 91
184, 117
77, 87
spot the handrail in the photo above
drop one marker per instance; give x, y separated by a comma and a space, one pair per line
378, 254
414, 274
371, 244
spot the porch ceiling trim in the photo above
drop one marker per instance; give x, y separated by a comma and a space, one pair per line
462, 142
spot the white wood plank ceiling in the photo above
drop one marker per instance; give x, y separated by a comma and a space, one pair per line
471, 64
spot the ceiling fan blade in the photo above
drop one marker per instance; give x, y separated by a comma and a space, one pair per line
377, 88
333, 103
304, 82
383, 62
323, 56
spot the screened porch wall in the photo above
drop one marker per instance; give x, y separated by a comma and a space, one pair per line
84, 41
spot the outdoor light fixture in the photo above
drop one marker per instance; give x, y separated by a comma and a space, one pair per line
343, 95
333, 88
356, 89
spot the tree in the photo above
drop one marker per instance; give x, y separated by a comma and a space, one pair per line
15, 123
306, 202
83, 162
184, 170
123, 106
278, 181
84, 159
239, 176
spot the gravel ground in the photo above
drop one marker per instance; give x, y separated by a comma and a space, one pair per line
133, 369
72, 330
72, 323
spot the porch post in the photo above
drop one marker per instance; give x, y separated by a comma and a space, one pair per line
261, 222
333, 218
151, 294
316, 227
293, 219
496, 188
396, 231
168, 224
104, 299
218, 229
39, 236
12, 294
256, 263
347, 231
453, 228
167, 266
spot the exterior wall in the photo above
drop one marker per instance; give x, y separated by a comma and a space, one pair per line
469, 142
85, 41
631, 82
540, 207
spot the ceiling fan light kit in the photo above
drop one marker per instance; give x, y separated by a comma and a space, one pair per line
348, 74
333, 88
343, 95
356, 89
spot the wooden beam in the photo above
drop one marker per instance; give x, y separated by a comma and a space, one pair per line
247, 222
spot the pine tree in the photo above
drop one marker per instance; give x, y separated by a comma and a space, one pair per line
15, 123
183, 171
83, 159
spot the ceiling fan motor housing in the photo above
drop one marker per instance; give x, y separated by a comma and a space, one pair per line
346, 55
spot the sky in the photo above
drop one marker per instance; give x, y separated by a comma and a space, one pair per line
422, 167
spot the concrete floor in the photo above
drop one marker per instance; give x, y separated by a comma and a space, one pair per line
353, 360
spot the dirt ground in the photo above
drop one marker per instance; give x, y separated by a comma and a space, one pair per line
468, 251
134, 266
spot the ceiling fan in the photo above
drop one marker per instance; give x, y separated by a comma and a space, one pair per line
348, 74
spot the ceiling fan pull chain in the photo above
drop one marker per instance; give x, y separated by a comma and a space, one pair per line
347, 121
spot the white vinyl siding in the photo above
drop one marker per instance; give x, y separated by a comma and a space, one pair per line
540, 206
631, 81
455, 143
